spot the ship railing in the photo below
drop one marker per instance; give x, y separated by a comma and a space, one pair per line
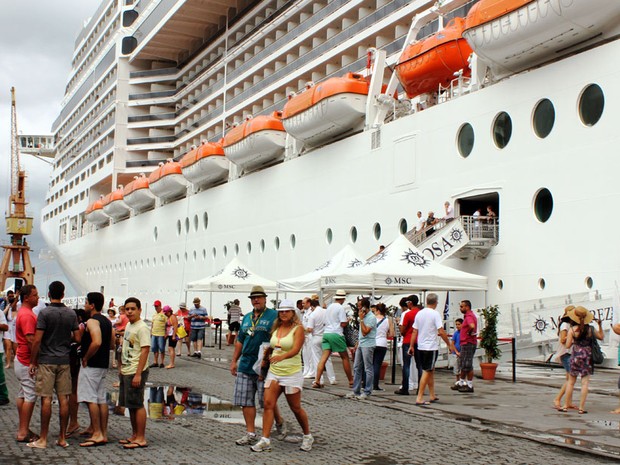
458, 87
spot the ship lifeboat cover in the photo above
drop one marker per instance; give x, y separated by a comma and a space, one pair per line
137, 195
167, 181
257, 142
432, 61
330, 109
114, 205
205, 165
95, 214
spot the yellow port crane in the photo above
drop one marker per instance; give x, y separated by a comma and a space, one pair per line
16, 260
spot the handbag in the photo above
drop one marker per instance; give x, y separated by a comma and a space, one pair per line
351, 335
597, 354
181, 333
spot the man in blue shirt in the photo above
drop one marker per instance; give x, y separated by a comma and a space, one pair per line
365, 352
255, 330
198, 316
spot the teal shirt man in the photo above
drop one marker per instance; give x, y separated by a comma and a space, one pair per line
252, 335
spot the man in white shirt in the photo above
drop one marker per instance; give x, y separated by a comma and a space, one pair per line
306, 353
426, 327
315, 328
333, 338
420, 222
449, 211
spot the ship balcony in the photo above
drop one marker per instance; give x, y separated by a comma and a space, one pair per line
39, 145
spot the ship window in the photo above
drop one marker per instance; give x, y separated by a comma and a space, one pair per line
466, 140
205, 220
541, 283
186, 225
353, 234
329, 235
225, 251
502, 130
591, 104
544, 118
262, 245
589, 282
195, 255
195, 222
204, 254
377, 231
178, 227
276, 243
402, 226
178, 258
155, 233
162, 261
293, 241
185, 256
236, 249
169, 259
249, 246
543, 205
500, 284
214, 252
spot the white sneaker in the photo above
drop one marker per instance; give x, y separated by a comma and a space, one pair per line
351, 395
306, 443
363, 396
246, 440
261, 446
281, 431
333, 382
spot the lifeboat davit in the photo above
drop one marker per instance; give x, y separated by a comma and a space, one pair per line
167, 181
206, 165
137, 195
95, 213
512, 35
256, 143
432, 61
114, 205
327, 110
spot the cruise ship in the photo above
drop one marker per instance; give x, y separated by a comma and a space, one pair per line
277, 132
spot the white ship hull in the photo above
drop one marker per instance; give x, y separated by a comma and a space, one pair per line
417, 166
169, 187
206, 171
140, 200
257, 150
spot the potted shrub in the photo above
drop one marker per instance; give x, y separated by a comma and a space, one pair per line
489, 342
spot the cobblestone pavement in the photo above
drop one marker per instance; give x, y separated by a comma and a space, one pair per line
496, 425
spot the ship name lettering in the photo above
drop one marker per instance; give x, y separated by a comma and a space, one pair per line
330, 280
436, 249
401, 280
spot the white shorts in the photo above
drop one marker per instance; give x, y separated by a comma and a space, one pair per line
26, 382
292, 383
91, 385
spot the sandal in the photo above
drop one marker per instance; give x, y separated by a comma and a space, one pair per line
563, 410
582, 412
316, 385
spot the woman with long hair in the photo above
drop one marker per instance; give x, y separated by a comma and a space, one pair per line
563, 353
580, 338
385, 331
285, 374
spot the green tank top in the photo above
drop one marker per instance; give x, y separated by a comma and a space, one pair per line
288, 366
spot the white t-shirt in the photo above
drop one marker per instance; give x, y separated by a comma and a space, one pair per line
383, 327
427, 322
2, 333
316, 321
565, 326
336, 314
420, 223
449, 212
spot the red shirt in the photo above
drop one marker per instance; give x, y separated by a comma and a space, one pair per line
407, 322
468, 336
186, 321
121, 323
25, 324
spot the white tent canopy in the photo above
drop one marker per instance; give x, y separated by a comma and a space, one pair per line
344, 261
235, 277
401, 267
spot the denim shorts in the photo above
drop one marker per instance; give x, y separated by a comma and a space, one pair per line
158, 344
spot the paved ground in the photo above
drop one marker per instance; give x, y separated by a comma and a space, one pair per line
501, 423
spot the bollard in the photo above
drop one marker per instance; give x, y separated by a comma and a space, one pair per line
514, 360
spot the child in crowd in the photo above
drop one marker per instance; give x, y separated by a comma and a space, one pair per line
456, 348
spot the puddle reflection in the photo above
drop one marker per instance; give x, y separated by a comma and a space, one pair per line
165, 402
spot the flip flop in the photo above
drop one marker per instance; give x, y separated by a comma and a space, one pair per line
434, 401
64, 446
125, 441
134, 445
86, 433
72, 432
582, 412
420, 404
34, 445
30, 438
316, 385
91, 443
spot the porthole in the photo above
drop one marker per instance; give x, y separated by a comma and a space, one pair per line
155, 233
214, 252
541, 283
262, 245
589, 282
195, 222
236, 249
591, 105
185, 257
186, 225
162, 261
500, 284
376, 230
169, 259
195, 255
543, 118
329, 235
276, 243
225, 251
402, 226
178, 258
204, 254
178, 227
249, 247
543, 205
353, 234
465, 140
293, 241
502, 130
205, 220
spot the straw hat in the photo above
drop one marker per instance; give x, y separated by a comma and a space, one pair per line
340, 294
257, 291
581, 313
285, 305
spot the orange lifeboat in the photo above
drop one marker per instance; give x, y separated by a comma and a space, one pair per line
205, 165
114, 206
432, 61
257, 142
512, 35
95, 214
137, 195
167, 181
331, 109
